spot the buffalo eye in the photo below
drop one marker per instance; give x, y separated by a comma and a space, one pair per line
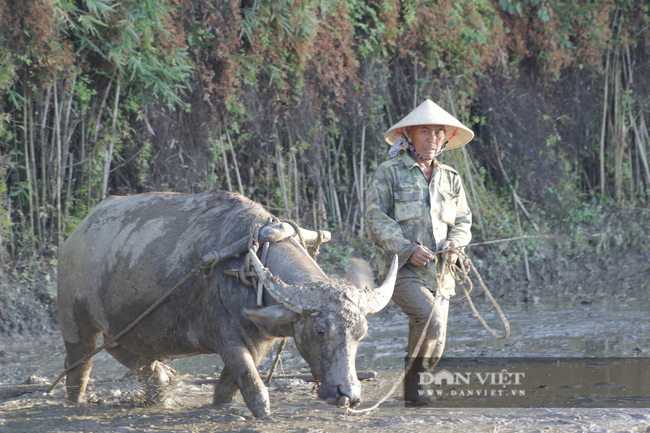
321, 332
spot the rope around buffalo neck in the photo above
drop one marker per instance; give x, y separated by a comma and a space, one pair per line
461, 276
246, 271
246, 274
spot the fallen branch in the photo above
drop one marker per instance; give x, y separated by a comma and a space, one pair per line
523, 208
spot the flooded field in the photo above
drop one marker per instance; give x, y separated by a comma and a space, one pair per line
598, 321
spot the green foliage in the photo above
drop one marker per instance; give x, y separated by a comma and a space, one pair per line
290, 80
372, 32
335, 259
143, 161
277, 34
216, 149
136, 46
7, 72
84, 93
586, 213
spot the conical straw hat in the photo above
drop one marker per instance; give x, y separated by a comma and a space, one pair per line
429, 113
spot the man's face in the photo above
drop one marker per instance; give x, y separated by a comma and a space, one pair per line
427, 139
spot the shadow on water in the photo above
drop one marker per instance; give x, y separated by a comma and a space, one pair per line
603, 320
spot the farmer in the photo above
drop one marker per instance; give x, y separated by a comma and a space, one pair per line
416, 206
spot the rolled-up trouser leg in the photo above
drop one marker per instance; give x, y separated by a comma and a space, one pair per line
417, 301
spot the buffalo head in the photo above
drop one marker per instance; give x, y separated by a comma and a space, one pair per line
328, 319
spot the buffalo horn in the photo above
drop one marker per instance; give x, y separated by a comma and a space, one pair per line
278, 289
376, 299
274, 233
309, 236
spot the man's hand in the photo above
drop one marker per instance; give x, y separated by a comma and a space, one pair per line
421, 256
451, 256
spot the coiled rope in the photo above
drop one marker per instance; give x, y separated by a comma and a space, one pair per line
461, 276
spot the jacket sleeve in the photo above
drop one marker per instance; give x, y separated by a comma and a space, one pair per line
383, 230
460, 232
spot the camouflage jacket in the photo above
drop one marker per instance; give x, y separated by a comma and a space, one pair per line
403, 209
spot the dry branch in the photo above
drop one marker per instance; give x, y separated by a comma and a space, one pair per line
516, 197
521, 234
362, 181
234, 157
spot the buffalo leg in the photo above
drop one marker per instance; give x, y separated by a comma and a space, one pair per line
226, 388
130, 360
77, 379
243, 368
149, 370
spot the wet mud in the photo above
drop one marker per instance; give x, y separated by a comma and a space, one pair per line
580, 319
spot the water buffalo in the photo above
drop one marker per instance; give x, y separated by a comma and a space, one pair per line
130, 250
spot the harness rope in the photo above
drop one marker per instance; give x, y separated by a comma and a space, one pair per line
399, 380
246, 271
277, 359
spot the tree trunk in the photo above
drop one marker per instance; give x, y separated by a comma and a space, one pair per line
337, 208
26, 133
43, 205
601, 152
296, 186
415, 86
32, 148
362, 182
69, 186
108, 156
58, 165
619, 134
641, 152
280, 171
98, 122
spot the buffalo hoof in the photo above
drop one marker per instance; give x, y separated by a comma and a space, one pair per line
343, 402
156, 374
262, 414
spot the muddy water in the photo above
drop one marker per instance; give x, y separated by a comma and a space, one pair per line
604, 320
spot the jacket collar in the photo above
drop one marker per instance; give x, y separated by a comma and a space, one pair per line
410, 162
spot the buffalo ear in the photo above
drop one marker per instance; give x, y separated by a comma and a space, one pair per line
360, 274
271, 316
